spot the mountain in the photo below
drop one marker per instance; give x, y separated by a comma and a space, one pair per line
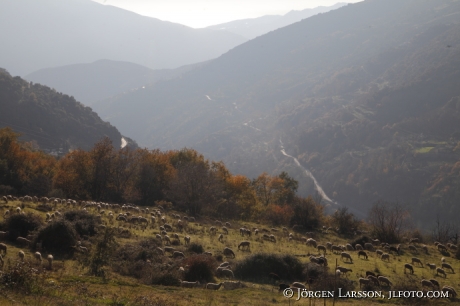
101, 79
365, 97
54, 121
253, 27
49, 33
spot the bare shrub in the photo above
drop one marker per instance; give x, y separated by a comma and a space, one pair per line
200, 268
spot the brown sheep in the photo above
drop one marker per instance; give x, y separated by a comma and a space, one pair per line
417, 260
362, 253
441, 271
445, 265
408, 267
244, 245
346, 255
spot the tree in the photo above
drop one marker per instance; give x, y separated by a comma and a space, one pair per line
307, 213
445, 232
344, 221
388, 221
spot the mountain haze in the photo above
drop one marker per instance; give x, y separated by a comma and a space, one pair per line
253, 27
89, 83
49, 33
364, 96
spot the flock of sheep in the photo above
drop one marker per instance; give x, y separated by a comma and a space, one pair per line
167, 226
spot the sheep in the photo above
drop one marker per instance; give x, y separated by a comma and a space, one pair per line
227, 273
225, 230
3, 247
344, 270
383, 279
368, 246
21, 255
425, 248
298, 285
435, 283
431, 266
362, 253
227, 224
385, 256
349, 247
22, 241
346, 255
189, 284
374, 279
225, 264
417, 260
395, 249
358, 247
5, 199
167, 239
443, 259
363, 281
178, 254
442, 247
213, 286
244, 245
379, 253
187, 240
450, 290
445, 265
426, 283
272, 238
408, 267
322, 248
229, 252
413, 248
336, 248
221, 238
441, 271
312, 242
38, 256
50, 261
231, 285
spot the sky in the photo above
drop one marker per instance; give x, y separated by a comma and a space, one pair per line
202, 13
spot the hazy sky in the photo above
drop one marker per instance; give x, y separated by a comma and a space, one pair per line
202, 13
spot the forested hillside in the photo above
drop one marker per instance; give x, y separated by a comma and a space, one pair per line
364, 96
50, 120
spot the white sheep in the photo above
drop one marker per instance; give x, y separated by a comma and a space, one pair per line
227, 273
190, 284
213, 286
346, 255
344, 270
177, 254
21, 255
38, 256
3, 247
232, 285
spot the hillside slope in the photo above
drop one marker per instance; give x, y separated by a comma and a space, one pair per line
49, 33
55, 122
334, 88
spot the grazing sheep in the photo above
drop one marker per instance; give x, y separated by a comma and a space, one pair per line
450, 290
221, 238
187, 240
395, 249
374, 279
189, 284
5, 199
417, 260
349, 247
213, 286
21, 255
38, 256
50, 261
244, 245
346, 255
368, 246
426, 283
312, 242
229, 252
3, 247
322, 248
225, 230
328, 245
435, 283
231, 285
431, 266
442, 247
298, 285
363, 281
383, 279
177, 254
445, 265
358, 247
336, 248
344, 270
22, 241
425, 248
443, 259
408, 267
227, 273
385, 256
441, 271
362, 253
167, 239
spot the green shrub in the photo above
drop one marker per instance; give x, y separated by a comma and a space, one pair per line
57, 237
258, 266
196, 248
85, 223
200, 268
21, 225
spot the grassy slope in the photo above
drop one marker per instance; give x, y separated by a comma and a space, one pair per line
68, 284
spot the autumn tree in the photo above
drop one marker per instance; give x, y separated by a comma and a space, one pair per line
307, 213
388, 221
344, 221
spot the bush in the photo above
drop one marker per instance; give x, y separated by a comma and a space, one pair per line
258, 266
21, 225
20, 276
196, 248
201, 268
166, 279
57, 238
361, 240
85, 223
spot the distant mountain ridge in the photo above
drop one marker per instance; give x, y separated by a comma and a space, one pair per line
54, 121
49, 33
365, 97
253, 27
101, 79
